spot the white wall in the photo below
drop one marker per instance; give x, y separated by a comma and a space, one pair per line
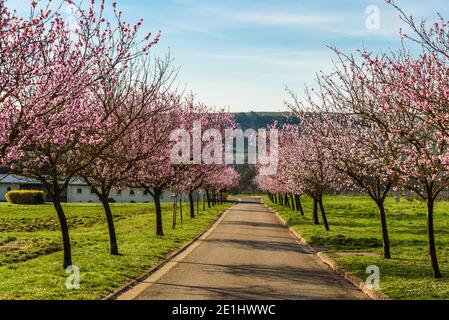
4, 189
124, 197
86, 196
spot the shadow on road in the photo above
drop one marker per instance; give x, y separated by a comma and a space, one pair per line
261, 245
255, 224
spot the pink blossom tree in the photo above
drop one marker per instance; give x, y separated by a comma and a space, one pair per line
155, 172
21, 44
421, 167
360, 149
67, 130
403, 99
134, 97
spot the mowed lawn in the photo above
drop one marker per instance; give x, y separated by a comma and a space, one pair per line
355, 227
31, 247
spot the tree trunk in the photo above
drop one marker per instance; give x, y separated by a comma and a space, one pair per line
323, 214
56, 197
180, 208
111, 227
192, 205
293, 202
315, 212
157, 206
197, 203
204, 201
383, 222
208, 199
431, 236
174, 213
299, 204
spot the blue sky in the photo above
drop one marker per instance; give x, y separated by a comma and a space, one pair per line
241, 54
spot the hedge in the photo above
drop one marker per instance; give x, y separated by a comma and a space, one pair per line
25, 197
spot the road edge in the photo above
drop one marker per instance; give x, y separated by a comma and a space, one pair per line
132, 284
332, 264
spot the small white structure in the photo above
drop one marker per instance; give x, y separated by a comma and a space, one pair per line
15, 182
78, 191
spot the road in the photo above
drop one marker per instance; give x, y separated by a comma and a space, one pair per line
248, 255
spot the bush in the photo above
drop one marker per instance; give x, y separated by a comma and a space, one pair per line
111, 200
25, 197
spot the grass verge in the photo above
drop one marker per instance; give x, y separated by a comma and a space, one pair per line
355, 236
31, 251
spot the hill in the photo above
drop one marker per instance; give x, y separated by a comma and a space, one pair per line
258, 120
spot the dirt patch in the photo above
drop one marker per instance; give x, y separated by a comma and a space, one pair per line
14, 246
23, 250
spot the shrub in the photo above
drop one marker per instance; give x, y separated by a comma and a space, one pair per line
26, 197
111, 200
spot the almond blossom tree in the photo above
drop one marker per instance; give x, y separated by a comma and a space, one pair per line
136, 97
21, 44
67, 130
197, 175
421, 168
154, 171
359, 148
404, 97
221, 179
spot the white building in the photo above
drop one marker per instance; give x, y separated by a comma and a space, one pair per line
78, 191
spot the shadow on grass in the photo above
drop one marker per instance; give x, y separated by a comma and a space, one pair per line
349, 243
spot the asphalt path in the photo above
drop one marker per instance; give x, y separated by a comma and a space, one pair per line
249, 255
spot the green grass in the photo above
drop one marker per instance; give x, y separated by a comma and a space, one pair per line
31, 250
355, 227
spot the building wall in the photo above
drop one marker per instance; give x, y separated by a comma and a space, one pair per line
73, 195
5, 187
77, 194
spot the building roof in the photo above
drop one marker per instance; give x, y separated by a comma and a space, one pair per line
16, 179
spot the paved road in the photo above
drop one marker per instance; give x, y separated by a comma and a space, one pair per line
249, 255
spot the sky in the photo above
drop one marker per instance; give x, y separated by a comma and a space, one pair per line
242, 54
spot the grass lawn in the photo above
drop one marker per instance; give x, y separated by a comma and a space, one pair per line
355, 227
31, 247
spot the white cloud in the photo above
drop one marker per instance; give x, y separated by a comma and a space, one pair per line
276, 57
279, 19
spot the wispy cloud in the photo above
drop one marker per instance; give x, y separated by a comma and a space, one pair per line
286, 58
278, 19
196, 29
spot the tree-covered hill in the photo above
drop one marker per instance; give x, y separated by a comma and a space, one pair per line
258, 120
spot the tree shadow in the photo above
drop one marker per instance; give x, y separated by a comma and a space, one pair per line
261, 245
274, 282
254, 224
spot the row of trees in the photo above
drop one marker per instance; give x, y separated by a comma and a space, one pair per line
85, 100
377, 122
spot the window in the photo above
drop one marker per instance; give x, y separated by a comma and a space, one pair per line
92, 190
79, 191
119, 192
145, 192
8, 189
131, 192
